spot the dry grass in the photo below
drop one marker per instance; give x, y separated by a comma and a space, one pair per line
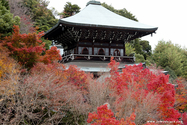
36, 99
98, 93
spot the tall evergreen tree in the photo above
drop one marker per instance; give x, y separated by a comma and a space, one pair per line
42, 17
6, 20
5, 4
168, 54
69, 10
122, 12
146, 48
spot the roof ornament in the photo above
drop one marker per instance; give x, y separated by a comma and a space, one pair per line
93, 2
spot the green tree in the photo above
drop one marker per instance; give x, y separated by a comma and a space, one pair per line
42, 17
146, 48
109, 7
172, 74
127, 14
137, 46
122, 12
139, 58
142, 47
168, 54
129, 49
184, 62
7, 21
70, 9
5, 4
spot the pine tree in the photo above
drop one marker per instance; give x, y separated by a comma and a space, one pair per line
6, 20
70, 9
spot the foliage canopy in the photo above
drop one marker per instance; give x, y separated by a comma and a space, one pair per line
173, 56
70, 9
6, 21
42, 17
122, 12
27, 49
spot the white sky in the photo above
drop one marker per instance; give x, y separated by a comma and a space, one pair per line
168, 15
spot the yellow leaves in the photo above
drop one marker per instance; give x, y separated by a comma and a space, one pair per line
4, 65
8, 87
117, 115
8, 73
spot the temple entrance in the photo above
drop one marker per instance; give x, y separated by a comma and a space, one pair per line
101, 52
116, 52
85, 51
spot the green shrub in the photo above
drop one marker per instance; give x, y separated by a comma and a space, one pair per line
129, 49
139, 58
172, 74
168, 54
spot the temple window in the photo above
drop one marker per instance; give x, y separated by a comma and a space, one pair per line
85, 51
116, 52
101, 52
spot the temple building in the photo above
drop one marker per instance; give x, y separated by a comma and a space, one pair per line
90, 37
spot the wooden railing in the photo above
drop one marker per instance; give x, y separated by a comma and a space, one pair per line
69, 57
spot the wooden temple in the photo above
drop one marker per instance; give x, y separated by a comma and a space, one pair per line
96, 34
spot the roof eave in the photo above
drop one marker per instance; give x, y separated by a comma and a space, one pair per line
108, 27
52, 29
151, 30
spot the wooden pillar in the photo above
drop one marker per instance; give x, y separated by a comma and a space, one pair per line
109, 49
77, 49
124, 54
92, 48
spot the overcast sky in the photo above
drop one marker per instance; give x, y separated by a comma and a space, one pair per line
170, 16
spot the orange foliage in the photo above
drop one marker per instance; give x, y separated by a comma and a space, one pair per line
5, 62
61, 85
9, 71
77, 77
51, 55
105, 116
138, 82
71, 75
181, 94
27, 48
